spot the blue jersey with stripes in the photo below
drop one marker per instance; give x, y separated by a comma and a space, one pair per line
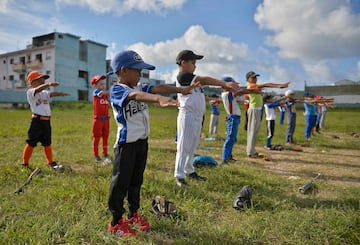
131, 116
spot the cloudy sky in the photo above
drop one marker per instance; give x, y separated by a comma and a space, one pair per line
283, 40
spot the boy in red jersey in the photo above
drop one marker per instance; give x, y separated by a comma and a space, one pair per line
101, 119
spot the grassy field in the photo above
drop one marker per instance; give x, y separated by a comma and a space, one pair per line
71, 207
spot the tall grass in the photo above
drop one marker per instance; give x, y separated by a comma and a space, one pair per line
71, 208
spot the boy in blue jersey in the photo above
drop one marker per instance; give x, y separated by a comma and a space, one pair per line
270, 114
129, 100
310, 114
214, 116
232, 109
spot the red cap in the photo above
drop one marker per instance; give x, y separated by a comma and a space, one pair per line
34, 75
95, 79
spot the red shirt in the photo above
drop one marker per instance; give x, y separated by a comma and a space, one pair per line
101, 104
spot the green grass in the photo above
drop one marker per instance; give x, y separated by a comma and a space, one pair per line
71, 208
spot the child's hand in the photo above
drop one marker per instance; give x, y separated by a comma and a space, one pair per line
167, 101
285, 85
233, 86
188, 89
54, 84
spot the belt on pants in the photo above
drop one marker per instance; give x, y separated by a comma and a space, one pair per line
44, 118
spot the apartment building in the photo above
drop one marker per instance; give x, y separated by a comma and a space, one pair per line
64, 57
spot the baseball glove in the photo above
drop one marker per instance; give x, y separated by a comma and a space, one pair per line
243, 199
163, 207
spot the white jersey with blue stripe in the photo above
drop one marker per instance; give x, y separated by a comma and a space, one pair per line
131, 116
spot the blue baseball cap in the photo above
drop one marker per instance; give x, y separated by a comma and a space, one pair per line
129, 59
227, 79
308, 94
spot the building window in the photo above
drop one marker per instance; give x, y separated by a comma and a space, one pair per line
11, 78
48, 73
83, 95
4, 61
28, 58
83, 51
83, 74
48, 56
22, 60
22, 80
145, 74
38, 57
61, 36
11, 61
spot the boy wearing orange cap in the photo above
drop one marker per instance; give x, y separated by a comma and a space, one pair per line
40, 129
101, 119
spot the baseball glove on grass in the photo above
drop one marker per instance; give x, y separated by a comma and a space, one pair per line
243, 199
163, 207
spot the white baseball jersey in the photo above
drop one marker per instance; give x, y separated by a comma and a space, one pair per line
230, 104
132, 117
195, 101
270, 110
39, 102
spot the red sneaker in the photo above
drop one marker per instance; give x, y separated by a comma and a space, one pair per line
143, 225
121, 229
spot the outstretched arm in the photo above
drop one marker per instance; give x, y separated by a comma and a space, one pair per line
205, 80
54, 94
171, 89
274, 85
151, 98
244, 90
43, 86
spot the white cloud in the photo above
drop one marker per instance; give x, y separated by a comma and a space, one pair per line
221, 55
24, 21
311, 30
320, 71
124, 6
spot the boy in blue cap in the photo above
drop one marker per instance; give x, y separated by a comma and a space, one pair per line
129, 100
232, 109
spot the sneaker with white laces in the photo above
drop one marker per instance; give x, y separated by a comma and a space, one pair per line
56, 167
195, 176
139, 221
107, 160
181, 182
121, 229
267, 147
97, 159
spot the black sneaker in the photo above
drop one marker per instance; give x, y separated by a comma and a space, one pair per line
195, 176
56, 167
225, 162
97, 159
181, 182
25, 165
232, 160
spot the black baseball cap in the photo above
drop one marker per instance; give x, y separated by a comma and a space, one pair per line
267, 97
251, 74
187, 55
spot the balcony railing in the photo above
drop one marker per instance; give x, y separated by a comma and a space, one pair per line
36, 64
19, 67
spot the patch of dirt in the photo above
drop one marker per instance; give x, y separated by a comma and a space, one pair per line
335, 165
